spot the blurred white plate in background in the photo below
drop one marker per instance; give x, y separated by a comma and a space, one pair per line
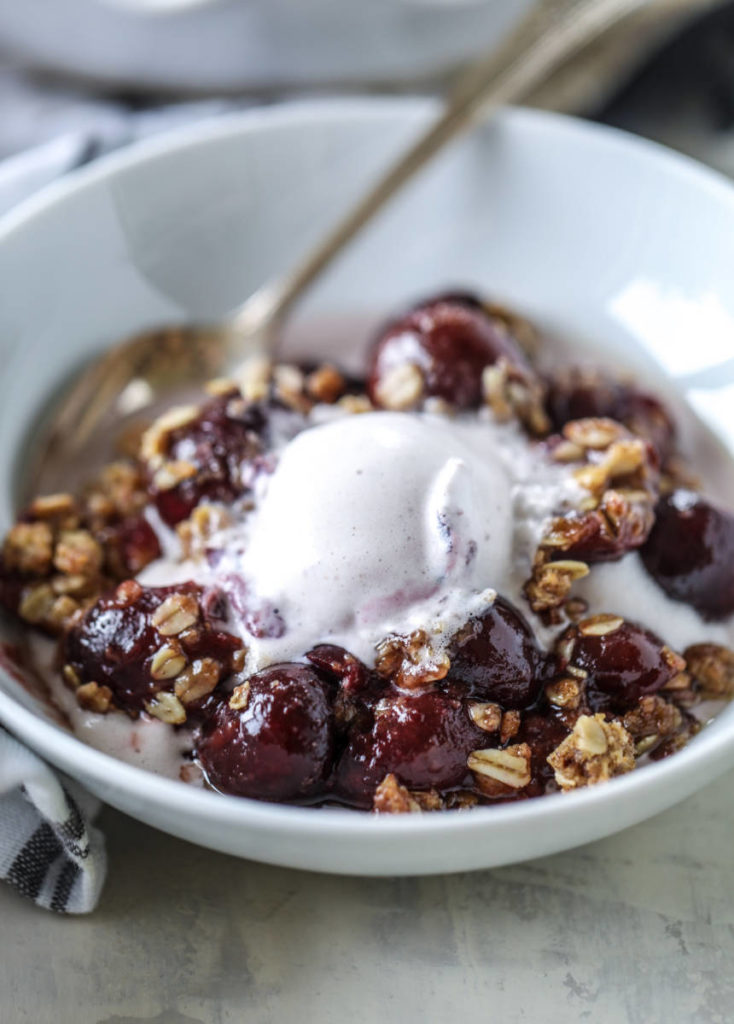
209, 45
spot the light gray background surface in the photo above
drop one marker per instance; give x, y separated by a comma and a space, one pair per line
637, 928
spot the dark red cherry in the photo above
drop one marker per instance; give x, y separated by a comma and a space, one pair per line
220, 444
496, 658
606, 533
645, 415
579, 394
623, 661
11, 588
424, 740
450, 342
357, 687
129, 546
116, 643
690, 553
349, 672
276, 741
543, 733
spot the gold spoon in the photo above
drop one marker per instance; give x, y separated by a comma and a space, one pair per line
140, 371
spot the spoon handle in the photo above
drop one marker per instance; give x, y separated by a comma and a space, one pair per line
552, 32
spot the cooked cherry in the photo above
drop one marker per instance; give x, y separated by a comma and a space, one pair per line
450, 342
623, 662
116, 641
605, 534
690, 553
424, 740
579, 394
645, 415
11, 588
496, 658
129, 546
276, 743
357, 686
543, 733
220, 444
352, 674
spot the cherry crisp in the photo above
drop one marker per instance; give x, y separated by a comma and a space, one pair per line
536, 690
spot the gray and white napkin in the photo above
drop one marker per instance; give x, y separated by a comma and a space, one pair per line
49, 850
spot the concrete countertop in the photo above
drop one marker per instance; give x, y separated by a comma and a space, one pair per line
636, 928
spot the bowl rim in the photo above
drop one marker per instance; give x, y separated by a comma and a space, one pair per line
72, 755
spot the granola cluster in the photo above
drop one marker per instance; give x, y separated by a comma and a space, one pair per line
481, 714
412, 661
619, 474
594, 751
65, 551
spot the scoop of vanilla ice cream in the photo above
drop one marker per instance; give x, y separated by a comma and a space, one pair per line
368, 516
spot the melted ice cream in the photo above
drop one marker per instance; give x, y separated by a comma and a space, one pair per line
381, 523
625, 588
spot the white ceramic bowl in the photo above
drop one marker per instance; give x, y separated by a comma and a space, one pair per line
597, 234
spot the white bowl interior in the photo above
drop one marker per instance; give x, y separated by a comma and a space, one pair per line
596, 235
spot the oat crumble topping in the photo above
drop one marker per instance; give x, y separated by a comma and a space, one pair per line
594, 751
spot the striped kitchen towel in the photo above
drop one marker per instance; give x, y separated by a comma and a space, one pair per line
49, 851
